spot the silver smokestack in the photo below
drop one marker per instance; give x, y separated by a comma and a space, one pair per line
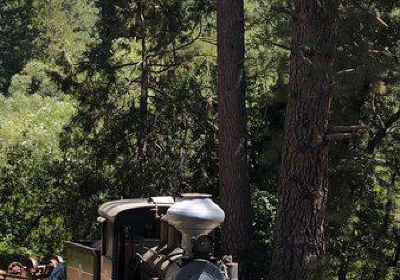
195, 215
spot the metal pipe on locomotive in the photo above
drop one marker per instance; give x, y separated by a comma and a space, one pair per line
156, 238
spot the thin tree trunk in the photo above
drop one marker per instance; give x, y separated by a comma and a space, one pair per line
233, 172
144, 90
342, 274
390, 206
300, 249
396, 254
396, 259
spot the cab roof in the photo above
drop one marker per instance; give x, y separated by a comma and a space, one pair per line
110, 210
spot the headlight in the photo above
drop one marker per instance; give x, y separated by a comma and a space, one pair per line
203, 245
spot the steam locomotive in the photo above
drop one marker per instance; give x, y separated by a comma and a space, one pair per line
160, 238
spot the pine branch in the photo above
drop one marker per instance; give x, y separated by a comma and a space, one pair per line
288, 11
375, 15
385, 54
381, 134
171, 66
119, 66
154, 52
285, 47
209, 40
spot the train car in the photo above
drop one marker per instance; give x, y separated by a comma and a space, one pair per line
157, 238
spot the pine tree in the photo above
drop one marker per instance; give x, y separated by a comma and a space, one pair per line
233, 170
300, 245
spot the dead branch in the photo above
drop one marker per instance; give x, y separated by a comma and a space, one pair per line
336, 133
339, 136
347, 129
346, 71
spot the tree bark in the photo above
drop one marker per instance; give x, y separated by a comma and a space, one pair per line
300, 250
233, 172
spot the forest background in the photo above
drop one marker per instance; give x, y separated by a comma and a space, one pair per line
106, 99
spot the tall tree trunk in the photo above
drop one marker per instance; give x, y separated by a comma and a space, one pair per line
144, 89
233, 173
300, 249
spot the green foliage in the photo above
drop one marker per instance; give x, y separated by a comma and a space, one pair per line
71, 122
34, 79
30, 154
16, 33
364, 233
66, 29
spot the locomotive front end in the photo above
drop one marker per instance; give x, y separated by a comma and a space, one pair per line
186, 249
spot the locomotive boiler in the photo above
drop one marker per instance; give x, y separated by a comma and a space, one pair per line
157, 238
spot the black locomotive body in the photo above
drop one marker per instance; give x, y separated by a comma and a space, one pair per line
155, 238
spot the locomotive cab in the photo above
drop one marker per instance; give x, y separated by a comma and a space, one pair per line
127, 225
148, 239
